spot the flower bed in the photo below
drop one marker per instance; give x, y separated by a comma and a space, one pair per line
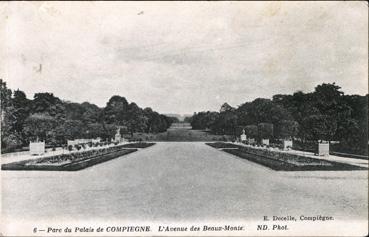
70, 162
284, 161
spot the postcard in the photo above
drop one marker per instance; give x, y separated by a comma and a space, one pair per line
184, 118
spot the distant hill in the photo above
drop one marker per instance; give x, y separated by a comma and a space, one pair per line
180, 117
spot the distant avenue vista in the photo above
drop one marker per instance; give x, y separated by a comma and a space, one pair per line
326, 114
216, 118
245, 153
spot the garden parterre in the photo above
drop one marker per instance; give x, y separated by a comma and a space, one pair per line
282, 161
76, 160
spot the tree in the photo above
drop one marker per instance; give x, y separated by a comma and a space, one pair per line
115, 111
287, 129
265, 130
74, 111
5, 95
11, 141
10, 138
251, 131
109, 131
136, 119
172, 119
91, 113
21, 109
319, 127
94, 130
39, 126
188, 119
47, 103
155, 123
72, 129
227, 122
226, 107
205, 120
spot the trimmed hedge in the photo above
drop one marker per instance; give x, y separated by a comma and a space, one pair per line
222, 145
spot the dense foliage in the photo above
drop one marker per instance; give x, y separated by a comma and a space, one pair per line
50, 119
325, 114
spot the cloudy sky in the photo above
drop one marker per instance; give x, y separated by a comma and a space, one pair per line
182, 57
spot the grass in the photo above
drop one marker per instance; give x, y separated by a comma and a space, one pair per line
181, 135
282, 161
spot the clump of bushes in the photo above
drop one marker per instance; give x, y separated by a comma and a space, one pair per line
78, 147
70, 148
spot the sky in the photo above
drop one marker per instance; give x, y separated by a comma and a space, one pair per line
182, 57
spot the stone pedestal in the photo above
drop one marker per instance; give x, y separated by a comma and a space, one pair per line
287, 144
265, 142
117, 138
323, 149
72, 143
243, 137
37, 148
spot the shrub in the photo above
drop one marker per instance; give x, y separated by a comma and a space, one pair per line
70, 148
11, 142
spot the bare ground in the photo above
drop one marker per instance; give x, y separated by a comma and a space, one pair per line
179, 182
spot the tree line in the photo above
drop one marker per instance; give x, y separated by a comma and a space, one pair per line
50, 119
324, 114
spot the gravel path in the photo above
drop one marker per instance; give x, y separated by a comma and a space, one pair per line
182, 181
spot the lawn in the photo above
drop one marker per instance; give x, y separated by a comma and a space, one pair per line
181, 135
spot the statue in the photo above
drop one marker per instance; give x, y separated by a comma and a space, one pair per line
118, 136
243, 135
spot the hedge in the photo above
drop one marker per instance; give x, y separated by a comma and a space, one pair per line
138, 145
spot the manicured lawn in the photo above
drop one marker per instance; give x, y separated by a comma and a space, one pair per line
181, 135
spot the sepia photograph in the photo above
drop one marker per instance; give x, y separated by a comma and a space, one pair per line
180, 118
